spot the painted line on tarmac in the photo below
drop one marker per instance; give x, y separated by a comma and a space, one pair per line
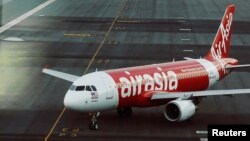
201, 132
24, 16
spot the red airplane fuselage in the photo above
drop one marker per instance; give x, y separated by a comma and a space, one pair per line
136, 84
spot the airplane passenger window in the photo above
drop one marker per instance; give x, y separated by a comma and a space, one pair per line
88, 88
72, 87
93, 88
80, 88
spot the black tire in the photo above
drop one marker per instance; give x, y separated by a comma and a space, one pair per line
128, 111
93, 126
124, 112
120, 112
90, 126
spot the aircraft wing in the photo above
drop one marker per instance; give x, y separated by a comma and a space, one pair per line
170, 95
62, 75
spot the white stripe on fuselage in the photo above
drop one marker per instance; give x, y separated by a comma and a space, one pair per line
213, 74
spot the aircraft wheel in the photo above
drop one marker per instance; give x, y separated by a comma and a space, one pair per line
93, 126
124, 112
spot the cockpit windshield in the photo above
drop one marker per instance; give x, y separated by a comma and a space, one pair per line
80, 88
83, 88
88, 88
93, 88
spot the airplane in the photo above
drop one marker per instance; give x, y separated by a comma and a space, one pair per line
179, 85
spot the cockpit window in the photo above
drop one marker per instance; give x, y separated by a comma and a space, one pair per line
88, 88
93, 88
80, 88
72, 87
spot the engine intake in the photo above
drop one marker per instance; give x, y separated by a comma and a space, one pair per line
179, 110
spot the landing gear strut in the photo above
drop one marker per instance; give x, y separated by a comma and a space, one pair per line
124, 112
93, 124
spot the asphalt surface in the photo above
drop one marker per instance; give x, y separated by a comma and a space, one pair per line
66, 34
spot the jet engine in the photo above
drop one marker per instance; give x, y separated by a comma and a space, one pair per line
179, 110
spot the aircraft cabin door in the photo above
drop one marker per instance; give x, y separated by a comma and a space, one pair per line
213, 76
109, 90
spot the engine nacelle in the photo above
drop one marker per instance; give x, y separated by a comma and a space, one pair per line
179, 110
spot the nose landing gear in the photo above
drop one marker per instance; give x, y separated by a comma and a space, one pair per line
93, 124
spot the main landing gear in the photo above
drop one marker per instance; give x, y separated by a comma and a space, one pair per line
93, 124
124, 112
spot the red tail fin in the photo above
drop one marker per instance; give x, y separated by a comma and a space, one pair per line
221, 44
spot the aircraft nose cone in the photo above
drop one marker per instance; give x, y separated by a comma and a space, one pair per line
71, 101
68, 103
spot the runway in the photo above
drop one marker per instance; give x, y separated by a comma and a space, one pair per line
66, 36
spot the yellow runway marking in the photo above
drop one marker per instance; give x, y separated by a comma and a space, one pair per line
98, 49
53, 127
105, 37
